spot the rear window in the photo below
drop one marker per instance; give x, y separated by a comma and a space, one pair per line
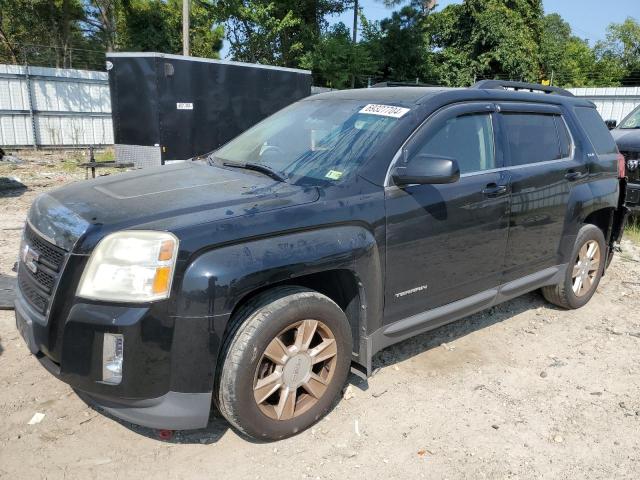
533, 138
597, 131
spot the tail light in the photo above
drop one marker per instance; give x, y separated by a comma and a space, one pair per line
622, 166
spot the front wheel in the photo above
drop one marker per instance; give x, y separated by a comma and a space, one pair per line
286, 363
583, 273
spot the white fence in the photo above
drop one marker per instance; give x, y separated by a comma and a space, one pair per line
49, 107
613, 103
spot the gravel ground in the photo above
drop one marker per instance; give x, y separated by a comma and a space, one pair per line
523, 390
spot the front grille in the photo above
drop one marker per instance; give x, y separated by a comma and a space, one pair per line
633, 165
35, 297
37, 287
50, 254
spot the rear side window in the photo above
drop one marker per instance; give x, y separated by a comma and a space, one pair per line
532, 138
597, 131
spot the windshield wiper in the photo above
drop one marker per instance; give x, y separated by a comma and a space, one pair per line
257, 167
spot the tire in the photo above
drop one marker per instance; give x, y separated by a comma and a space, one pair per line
563, 294
247, 363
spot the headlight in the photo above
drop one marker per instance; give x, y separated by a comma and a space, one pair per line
130, 266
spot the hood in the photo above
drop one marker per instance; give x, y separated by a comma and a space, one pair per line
628, 140
167, 197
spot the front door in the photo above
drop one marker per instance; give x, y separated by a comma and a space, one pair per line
447, 242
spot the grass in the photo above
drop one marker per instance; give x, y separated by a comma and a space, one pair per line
106, 155
72, 159
632, 232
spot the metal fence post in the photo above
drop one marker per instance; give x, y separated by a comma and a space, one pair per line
31, 111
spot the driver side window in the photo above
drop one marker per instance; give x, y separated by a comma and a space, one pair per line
468, 139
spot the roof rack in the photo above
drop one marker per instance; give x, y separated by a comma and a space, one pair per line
532, 87
400, 84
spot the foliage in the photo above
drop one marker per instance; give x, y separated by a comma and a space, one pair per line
398, 45
39, 30
487, 39
276, 32
456, 45
75, 33
156, 25
621, 50
335, 60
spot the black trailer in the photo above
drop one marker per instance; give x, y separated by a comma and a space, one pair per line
171, 107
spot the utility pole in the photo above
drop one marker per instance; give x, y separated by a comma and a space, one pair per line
185, 27
355, 21
355, 36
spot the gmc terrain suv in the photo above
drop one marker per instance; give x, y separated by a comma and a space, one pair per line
349, 221
627, 136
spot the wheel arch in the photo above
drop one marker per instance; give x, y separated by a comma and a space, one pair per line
591, 203
340, 285
341, 262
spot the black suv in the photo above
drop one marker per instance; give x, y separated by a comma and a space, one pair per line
347, 222
627, 136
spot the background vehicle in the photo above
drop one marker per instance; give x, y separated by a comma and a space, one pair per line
627, 136
345, 223
191, 105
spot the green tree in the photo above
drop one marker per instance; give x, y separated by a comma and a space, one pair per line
40, 31
620, 51
156, 25
571, 62
398, 45
488, 39
277, 33
335, 60
101, 21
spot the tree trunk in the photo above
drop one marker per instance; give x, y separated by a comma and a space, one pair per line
5, 40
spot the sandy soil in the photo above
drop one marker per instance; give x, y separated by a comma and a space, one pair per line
521, 391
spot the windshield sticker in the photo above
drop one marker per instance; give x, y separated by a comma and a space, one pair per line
384, 110
333, 174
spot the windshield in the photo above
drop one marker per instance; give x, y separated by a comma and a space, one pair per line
314, 141
632, 121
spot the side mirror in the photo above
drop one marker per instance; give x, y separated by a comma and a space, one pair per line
611, 124
427, 169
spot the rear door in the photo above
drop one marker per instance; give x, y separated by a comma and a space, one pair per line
539, 153
447, 242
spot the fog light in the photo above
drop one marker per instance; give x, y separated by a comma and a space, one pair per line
112, 355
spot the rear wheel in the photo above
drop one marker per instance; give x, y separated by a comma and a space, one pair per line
286, 363
583, 273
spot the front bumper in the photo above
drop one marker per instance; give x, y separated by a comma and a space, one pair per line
172, 411
633, 198
168, 363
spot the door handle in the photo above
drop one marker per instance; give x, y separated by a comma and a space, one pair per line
495, 190
572, 176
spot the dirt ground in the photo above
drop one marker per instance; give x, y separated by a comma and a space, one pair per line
521, 391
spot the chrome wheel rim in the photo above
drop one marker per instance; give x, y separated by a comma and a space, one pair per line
586, 268
295, 370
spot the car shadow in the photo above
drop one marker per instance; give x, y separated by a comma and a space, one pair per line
11, 187
451, 332
218, 426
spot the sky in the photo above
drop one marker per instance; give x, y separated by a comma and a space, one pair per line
588, 18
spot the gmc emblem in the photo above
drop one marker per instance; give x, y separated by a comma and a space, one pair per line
29, 258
